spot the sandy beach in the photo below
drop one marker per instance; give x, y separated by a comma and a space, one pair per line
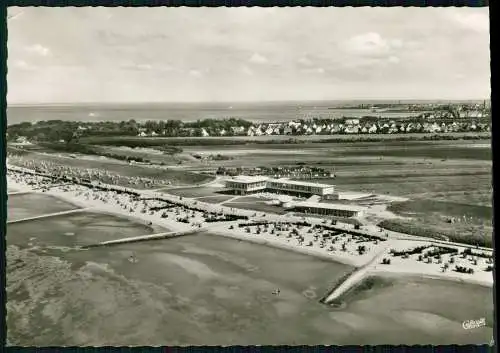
305, 240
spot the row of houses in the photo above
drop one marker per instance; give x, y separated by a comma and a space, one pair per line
353, 126
293, 128
346, 126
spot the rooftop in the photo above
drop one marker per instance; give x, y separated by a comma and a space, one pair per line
330, 206
303, 183
248, 179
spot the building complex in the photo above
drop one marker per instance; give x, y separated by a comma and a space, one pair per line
244, 185
249, 184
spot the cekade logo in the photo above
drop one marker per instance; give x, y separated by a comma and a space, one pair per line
470, 324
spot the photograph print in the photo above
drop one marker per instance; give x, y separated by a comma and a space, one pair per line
248, 176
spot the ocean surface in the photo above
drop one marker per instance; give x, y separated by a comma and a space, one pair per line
206, 289
256, 112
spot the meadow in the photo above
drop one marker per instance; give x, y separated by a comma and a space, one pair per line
443, 180
176, 177
134, 141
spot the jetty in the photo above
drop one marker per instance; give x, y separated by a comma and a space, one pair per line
48, 215
352, 279
140, 238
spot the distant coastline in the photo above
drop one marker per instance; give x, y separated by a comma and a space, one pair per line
189, 112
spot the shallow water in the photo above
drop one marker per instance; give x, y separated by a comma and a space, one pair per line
31, 205
205, 289
76, 229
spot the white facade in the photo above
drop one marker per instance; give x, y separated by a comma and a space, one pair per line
299, 187
328, 209
246, 184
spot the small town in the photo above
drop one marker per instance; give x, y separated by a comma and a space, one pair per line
454, 119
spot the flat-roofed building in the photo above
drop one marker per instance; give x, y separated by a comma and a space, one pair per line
246, 184
328, 209
299, 187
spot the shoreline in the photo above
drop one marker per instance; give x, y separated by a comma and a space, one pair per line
282, 246
221, 229
408, 274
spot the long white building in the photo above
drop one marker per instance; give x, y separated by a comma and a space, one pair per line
299, 187
243, 184
247, 184
327, 209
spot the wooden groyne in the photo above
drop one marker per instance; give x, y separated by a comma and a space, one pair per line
351, 279
157, 236
48, 215
12, 193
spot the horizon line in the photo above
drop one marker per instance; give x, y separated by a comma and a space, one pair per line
360, 100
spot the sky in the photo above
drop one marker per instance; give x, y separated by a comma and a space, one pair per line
97, 54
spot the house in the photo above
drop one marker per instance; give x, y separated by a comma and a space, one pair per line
222, 132
393, 129
352, 121
288, 130
237, 130
434, 128
22, 140
364, 130
352, 129
142, 134
153, 134
204, 133
373, 129
318, 129
454, 127
474, 114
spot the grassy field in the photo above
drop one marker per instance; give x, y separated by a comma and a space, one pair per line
225, 140
434, 227
459, 187
179, 177
443, 152
442, 179
466, 223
